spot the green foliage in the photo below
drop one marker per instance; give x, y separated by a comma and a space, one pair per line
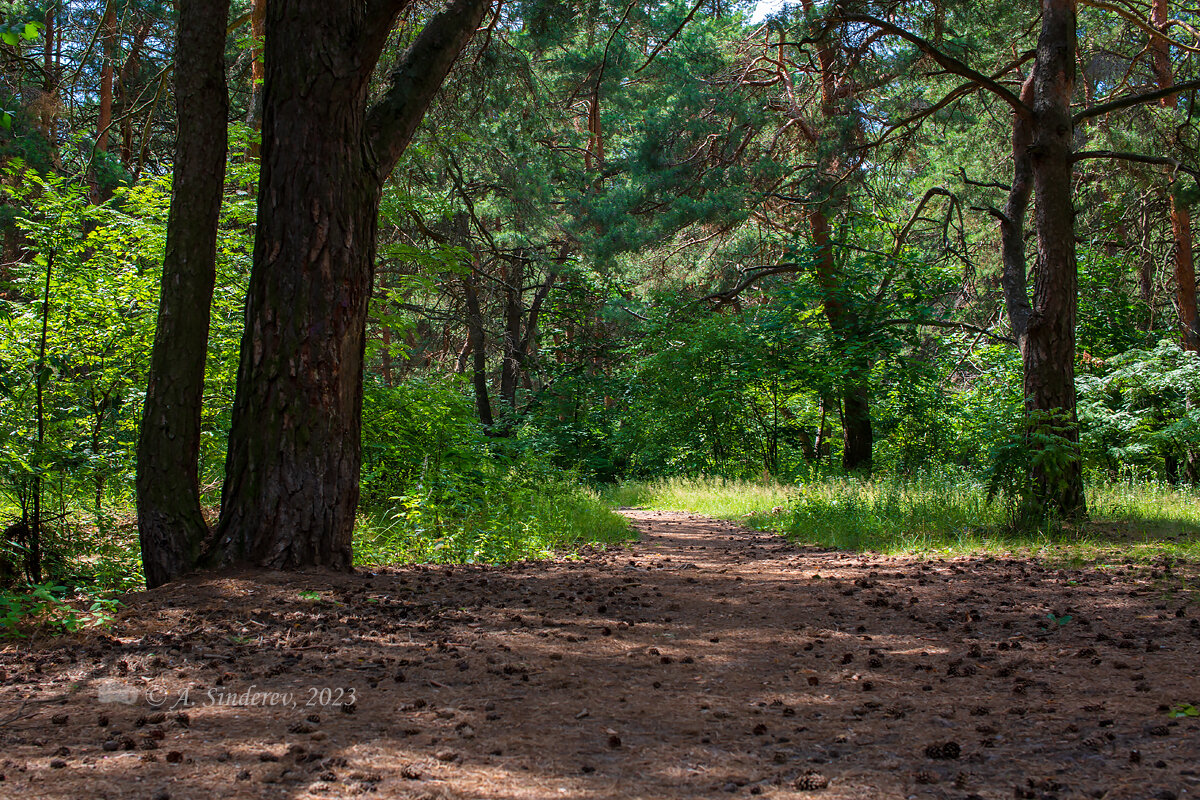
421, 433
435, 489
48, 607
1033, 463
1139, 411
104, 263
504, 516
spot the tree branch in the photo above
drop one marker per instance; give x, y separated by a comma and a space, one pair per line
1138, 157
392, 122
945, 323
947, 62
1133, 100
758, 273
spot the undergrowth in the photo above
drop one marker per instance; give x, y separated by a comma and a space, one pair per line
491, 521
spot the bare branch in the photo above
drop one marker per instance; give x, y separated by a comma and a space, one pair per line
947, 62
1133, 100
1175, 164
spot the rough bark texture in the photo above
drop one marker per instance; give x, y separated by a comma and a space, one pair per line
1013, 277
170, 525
292, 471
1049, 351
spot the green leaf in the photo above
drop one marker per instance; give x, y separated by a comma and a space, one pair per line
6, 120
9, 38
32, 29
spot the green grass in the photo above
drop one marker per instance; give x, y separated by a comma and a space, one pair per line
936, 514
494, 523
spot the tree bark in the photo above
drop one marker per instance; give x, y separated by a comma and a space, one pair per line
857, 434
108, 35
170, 525
836, 105
1049, 351
510, 365
292, 470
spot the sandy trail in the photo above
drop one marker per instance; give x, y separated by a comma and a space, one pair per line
704, 661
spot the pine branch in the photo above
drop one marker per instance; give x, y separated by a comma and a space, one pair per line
393, 121
1134, 100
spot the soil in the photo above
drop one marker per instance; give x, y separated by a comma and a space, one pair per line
703, 661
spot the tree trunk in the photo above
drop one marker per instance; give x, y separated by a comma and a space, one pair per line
1181, 216
49, 75
1043, 166
124, 97
170, 525
857, 434
292, 471
475, 344
258, 16
510, 365
837, 106
108, 36
386, 354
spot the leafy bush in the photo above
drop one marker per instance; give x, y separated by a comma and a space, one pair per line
48, 607
1139, 411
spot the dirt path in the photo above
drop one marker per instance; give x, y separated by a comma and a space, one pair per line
705, 661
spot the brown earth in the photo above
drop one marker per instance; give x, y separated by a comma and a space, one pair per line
704, 661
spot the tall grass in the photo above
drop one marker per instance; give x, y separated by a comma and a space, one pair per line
935, 514
495, 522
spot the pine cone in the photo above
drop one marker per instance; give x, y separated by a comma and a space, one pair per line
946, 750
811, 782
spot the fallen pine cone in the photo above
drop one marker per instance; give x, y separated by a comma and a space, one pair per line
946, 750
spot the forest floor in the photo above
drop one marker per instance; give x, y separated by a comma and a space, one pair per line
705, 660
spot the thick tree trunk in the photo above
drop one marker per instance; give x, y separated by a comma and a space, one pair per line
857, 435
108, 35
1043, 165
1049, 352
1185, 273
292, 472
170, 525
